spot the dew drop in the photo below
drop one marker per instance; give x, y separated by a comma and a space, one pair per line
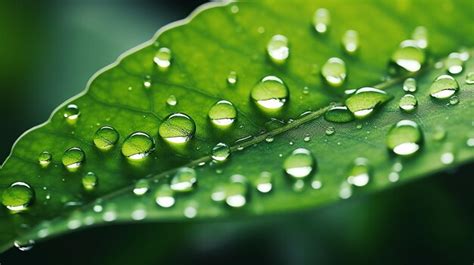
364, 101
178, 128
404, 138
137, 146
164, 196
24, 245
222, 114
408, 103
447, 158
44, 159
454, 64
105, 138
420, 36
409, 85
73, 158
18, 196
90, 181
321, 20
454, 100
316, 184
334, 71
277, 49
236, 192
359, 174
147, 82
72, 113
443, 87
270, 94
350, 41
141, 187
339, 114
470, 78
163, 58
232, 78
330, 131
172, 101
345, 190
184, 180
409, 56
439, 133
264, 182
299, 164
220, 152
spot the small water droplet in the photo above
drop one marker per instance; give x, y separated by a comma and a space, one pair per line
470, 142
191, 210
24, 245
105, 138
339, 114
264, 182
307, 138
334, 71
447, 158
316, 184
363, 102
141, 187
269, 139
454, 100
45, 159
470, 78
147, 82
137, 146
277, 49
299, 164
73, 158
443, 87
172, 101
409, 85
18, 196
236, 191
232, 78
184, 180
90, 181
345, 190
454, 64
321, 20
164, 196
234, 9
178, 128
220, 152
409, 56
404, 138
139, 213
72, 113
408, 103
439, 133
393, 176
420, 36
330, 131
222, 114
359, 174
350, 41
163, 58
270, 94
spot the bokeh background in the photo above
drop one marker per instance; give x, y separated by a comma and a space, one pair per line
48, 51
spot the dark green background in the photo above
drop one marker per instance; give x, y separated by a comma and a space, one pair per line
48, 51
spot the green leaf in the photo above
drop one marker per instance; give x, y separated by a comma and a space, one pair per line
131, 96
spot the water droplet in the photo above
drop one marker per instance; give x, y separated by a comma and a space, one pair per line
72, 113
24, 245
45, 159
264, 182
89, 181
277, 49
184, 180
105, 138
447, 158
138, 146
236, 191
359, 175
178, 128
171, 101
139, 213
164, 196
269, 139
307, 138
339, 114
345, 190
470, 142
330, 131
454, 100
232, 78
270, 93
393, 176
404, 138
363, 102
321, 20
334, 71
222, 114
409, 85
470, 78
141, 187
444, 87
420, 36
409, 56
147, 82
316, 184
350, 41
408, 103
73, 158
299, 164
439, 133
234, 9
454, 64
163, 58
220, 152
191, 210
18, 196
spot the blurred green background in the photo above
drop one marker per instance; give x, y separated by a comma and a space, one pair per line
48, 51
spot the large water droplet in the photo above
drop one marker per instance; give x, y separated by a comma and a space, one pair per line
138, 146
18, 196
454, 63
321, 20
338, 114
164, 196
72, 113
105, 138
443, 87
90, 181
163, 58
408, 103
409, 56
178, 128
45, 158
350, 41
264, 182
363, 102
359, 174
73, 158
404, 138
220, 152
334, 71
299, 164
420, 36
409, 85
270, 94
277, 49
184, 180
222, 114
141, 187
